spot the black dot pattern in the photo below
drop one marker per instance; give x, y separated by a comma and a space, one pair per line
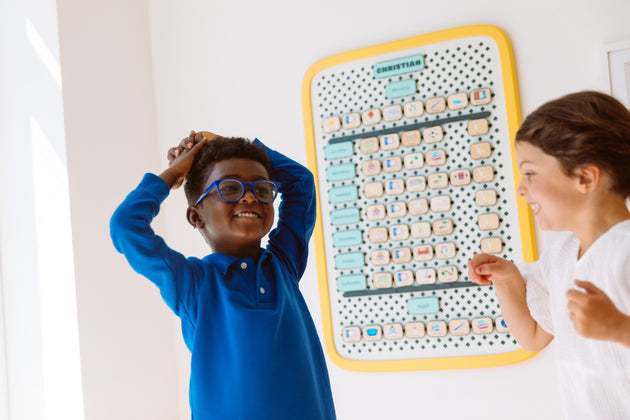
451, 67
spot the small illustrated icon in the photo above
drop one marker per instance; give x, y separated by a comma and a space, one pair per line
480, 95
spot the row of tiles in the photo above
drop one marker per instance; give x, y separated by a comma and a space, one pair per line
412, 109
415, 207
412, 330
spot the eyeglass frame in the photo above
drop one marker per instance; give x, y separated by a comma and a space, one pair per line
244, 185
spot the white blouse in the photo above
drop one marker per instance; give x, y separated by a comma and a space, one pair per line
594, 375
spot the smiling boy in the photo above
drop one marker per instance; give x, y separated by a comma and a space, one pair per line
255, 353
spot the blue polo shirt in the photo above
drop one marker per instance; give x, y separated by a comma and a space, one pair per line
255, 353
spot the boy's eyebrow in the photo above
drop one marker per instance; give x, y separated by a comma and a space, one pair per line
237, 176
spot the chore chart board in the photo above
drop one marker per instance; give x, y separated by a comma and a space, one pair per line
411, 146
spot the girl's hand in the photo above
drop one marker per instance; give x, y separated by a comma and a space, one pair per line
511, 292
485, 269
594, 315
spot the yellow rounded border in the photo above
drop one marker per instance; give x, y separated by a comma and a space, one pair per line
524, 213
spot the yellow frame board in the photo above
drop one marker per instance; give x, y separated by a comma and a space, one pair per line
524, 220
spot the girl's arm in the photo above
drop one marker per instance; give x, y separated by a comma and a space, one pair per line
594, 315
509, 286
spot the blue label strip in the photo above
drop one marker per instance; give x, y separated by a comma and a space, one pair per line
349, 260
338, 151
341, 194
421, 306
345, 216
402, 88
347, 238
341, 172
351, 283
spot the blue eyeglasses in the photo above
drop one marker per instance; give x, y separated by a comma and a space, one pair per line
232, 190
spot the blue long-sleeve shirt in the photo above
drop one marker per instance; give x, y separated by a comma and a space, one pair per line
255, 351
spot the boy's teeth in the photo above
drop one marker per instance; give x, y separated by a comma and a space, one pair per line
246, 214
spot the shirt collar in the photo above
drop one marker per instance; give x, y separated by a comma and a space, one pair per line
224, 262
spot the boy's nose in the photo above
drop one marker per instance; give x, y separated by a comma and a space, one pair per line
248, 195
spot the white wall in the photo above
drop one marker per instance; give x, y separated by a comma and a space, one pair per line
126, 333
138, 75
39, 305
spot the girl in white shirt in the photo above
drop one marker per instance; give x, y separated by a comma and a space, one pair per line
574, 157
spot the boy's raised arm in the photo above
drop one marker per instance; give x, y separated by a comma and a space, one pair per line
181, 157
296, 212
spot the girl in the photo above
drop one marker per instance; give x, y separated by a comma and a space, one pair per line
574, 157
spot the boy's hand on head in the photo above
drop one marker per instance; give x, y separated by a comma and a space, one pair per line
188, 143
594, 315
485, 269
182, 157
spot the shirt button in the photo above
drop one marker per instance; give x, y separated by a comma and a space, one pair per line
243, 265
262, 290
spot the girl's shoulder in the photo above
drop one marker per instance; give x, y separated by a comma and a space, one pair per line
558, 253
621, 229
616, 240
558, 243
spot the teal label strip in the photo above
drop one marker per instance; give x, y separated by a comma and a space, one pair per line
341, 172
351, 283
402, 88
421, 306
398, 66
338, 150
341, 194
347, 238
349, 260
345, 216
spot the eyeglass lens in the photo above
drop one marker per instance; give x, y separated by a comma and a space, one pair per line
232, 190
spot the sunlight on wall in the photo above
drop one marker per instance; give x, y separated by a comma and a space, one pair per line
62, 367
42, 51
62, 373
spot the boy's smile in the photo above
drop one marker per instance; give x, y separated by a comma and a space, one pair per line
234, 228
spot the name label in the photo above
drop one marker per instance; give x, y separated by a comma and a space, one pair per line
398, 66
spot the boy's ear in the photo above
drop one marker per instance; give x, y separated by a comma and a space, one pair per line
194, 218
589, 176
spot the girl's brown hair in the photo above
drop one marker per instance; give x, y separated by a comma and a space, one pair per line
583, 128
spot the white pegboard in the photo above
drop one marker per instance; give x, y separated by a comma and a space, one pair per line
458, 61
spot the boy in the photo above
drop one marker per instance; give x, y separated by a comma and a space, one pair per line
255, 350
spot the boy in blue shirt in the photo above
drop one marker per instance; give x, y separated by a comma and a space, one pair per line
255, 353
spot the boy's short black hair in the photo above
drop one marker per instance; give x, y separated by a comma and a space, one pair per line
219, 149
